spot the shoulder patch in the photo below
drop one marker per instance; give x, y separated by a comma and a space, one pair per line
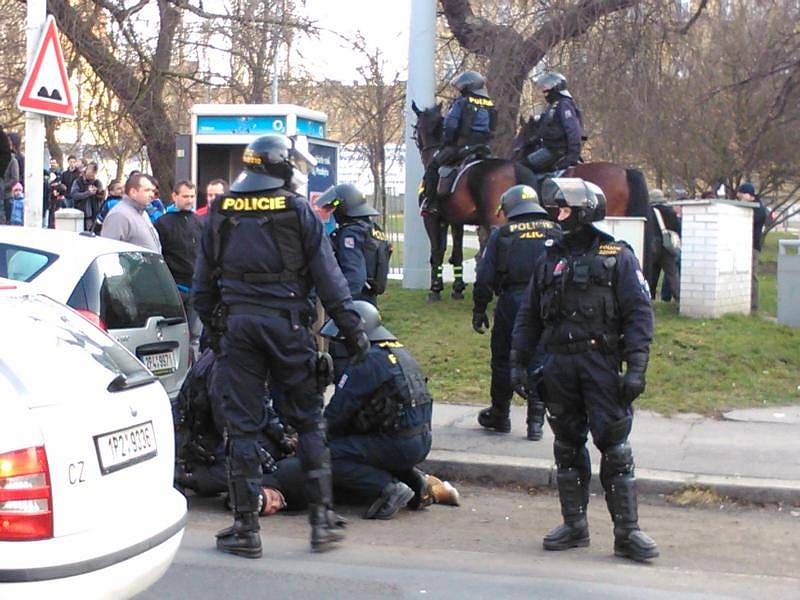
549, 243
349, 242
609, 249
342, 381
568, 114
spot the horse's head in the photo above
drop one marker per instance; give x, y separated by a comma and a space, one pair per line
429, 128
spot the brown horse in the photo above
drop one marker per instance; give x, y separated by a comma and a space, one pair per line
474, 200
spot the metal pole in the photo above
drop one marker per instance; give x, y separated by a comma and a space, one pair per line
34, 125
420, 88
275, 75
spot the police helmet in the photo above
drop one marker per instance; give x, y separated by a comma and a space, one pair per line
372, 324
470, 82
587, 200
347, 201
267, 164
520, 200
551, 81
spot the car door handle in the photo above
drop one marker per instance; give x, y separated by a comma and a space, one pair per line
170, 321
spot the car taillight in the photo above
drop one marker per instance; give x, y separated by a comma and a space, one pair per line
93, 318
26, 499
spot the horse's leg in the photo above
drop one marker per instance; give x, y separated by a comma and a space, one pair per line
457, 260
433, 228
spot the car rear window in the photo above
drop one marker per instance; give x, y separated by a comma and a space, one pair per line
127, 288
23, 264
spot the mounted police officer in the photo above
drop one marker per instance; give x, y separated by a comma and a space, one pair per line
361, 247
469, 124
560, 127
589, 304
263, 251
379, 421
505, 269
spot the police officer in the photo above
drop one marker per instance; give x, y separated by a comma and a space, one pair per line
560, 129
469, 122
505, 269
262, 252
361, 248
589, 303
379, 421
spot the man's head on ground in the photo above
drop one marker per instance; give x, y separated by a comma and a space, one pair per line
115, 188
215, 189
184, 195
746, 192
140, 188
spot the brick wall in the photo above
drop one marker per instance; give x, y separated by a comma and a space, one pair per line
716, 255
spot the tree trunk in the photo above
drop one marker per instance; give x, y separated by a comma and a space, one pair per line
53, 147
505, 80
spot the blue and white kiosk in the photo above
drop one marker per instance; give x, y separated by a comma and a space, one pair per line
221, 131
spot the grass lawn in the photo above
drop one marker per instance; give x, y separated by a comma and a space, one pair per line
703, 366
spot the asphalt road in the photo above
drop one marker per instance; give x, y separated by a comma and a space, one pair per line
490, 547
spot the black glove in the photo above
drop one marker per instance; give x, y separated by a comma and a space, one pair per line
633, 382
519, 372
357, 346
479, 321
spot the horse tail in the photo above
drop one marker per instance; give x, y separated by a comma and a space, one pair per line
638, 197
524, 175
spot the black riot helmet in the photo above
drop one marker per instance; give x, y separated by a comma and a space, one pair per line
552, 84
520, 200
470, 82
372, 324
587, 201
348, 202
267, 164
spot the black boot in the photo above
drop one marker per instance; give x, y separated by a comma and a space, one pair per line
423, 491
574, 532
494, 419
393, 497
629, 541
327, 527
243, 538
536, 412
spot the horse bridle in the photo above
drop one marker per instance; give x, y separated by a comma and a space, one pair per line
424, 148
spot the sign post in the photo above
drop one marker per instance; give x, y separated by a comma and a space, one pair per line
45, 91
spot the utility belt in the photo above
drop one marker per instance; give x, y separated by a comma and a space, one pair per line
296, 317
605, 344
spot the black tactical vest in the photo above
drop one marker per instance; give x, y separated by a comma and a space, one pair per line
271, 209
518, 246
377, 252
577, 299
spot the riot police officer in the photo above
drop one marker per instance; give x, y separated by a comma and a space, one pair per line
361, 247
469, 122
505, 269
262, 252
589, 303
379, 421
560, 127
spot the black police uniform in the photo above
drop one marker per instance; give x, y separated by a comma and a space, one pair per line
560, 131
260, 255
505, 269
363, 253
379, 421
589, 304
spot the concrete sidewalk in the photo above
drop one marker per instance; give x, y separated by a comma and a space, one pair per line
751, 455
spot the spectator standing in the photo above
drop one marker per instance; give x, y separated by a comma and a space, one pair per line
665, 254
156, 208
180, 230
128, 221
16, 145
747, 193
10, 176
87, 194
17, 216
214, 189
115, 191
69, 176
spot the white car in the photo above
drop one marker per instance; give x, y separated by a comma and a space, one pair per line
87, 506
122, 288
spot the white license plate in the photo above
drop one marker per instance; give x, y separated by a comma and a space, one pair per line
161, 363
125, 447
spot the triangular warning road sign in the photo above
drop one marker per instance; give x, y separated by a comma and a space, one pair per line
46, 87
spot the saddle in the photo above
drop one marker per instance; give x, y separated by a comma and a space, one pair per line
466, 158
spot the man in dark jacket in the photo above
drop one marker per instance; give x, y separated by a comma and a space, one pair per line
664, 257
747, 193
87, 194
180, 230
69, 176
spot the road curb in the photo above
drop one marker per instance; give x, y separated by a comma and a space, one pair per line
537, 472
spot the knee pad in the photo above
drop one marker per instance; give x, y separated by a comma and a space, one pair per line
565, 453
312, 450
616, 433
617, 460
